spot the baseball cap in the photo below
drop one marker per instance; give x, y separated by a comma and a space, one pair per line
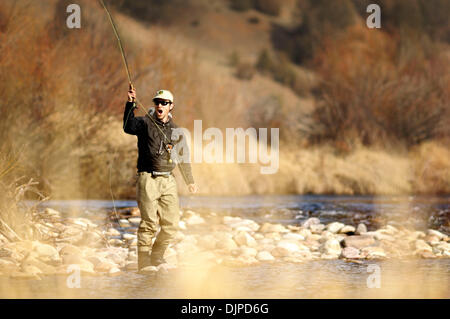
164, 94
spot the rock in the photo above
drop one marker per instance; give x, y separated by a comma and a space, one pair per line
421, 246
304, 232
361, 229
335, 227
129, 237
227, 244
248, 251
32, 261
293, 236
96, 260
207, 242
358, 241
311, 221
85, 265
182, 225
373, 252
114, 271
69, 249
194, 220
280, 252
432, 240
264, 256
115, 242
124, 223
350, 253
112, 232
272, 228
51, 212
105, 266
427, 255
273, 236
317, 228
91, 238
239, 224
331, 247
313, 237
288, 245
135, 221
258, 236
325, 236
148, 270
436, 233
347, 229
46, 252
244, 239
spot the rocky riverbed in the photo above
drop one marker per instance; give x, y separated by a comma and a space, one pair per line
108, 248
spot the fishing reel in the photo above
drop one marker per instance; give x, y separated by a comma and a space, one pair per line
169, 148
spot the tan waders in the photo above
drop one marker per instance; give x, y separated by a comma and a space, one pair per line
157, 199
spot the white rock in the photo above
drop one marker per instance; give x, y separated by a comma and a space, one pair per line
294, 236
335, 227
112, 232
436, 233
52, 212
182, 225
317, 228
127, 236
264, 256
311, 221
194, 220
148, 270
290, 246
45, 251
347, 229
272, 228
124, 223
331, 247
243, 238
114, 271
361, 229
248, 251
135, 221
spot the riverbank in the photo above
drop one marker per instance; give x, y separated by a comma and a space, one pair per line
108, 247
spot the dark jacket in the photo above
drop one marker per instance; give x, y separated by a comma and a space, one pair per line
153, 155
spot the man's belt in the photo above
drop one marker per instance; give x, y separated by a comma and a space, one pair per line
161, 173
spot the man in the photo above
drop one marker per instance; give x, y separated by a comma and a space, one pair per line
156, 187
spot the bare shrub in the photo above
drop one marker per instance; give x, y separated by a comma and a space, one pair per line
245, 71
271, 7
368, 96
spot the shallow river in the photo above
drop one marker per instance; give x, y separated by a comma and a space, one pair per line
413, 278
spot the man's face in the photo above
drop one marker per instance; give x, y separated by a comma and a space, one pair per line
162, 107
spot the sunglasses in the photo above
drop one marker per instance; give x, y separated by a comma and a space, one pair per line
163, 103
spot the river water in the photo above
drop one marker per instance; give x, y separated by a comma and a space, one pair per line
410, 278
